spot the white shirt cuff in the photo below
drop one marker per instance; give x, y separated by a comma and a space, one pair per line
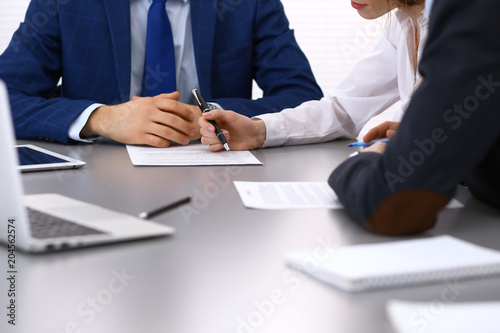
275, 129
77, 125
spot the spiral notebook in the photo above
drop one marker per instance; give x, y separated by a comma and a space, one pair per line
396, 264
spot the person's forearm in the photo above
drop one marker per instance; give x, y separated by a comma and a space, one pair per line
361, 186
260, 136
35, 117
402, 191
311, 122
96, 123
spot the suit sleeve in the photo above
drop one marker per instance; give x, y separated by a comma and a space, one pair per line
449, 129
280, 68
31, 68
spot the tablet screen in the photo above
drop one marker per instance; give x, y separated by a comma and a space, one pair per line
34, 158
28, 156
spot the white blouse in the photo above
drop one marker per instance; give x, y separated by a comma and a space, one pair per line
375, 83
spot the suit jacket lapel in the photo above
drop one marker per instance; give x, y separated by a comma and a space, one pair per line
203, 19
118, 13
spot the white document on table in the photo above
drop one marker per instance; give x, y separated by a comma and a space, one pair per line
444, 317
287, 195
191, 155
293, 195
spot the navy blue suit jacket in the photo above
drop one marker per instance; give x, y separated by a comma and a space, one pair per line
88, 43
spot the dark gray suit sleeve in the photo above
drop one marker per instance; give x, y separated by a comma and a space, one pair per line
450, 132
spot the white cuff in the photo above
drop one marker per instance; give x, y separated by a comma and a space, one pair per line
77, 125
275, 129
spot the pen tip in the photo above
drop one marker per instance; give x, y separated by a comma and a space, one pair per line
227, 147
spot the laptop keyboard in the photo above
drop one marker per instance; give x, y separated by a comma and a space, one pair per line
47, 226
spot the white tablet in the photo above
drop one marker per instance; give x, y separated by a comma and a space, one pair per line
33, 158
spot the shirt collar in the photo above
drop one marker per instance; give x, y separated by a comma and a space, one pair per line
404, 19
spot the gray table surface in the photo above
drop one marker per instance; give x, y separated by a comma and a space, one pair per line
223, 270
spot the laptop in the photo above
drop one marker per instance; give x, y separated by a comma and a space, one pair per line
52, 222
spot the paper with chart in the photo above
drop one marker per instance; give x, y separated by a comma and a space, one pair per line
287, 195
191, 155
293, 195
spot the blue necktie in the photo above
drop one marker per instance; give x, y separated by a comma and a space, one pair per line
159, 67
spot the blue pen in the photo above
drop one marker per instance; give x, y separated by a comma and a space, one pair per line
366, 144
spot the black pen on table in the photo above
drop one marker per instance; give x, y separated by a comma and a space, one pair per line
205, 108
146, 215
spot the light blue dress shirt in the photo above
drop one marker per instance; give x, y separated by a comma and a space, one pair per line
179, 14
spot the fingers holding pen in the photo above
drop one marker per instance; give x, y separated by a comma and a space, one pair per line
246, 133
213, 141
209, 135
386, 129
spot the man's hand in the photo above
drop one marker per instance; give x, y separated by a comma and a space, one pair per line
156, 121
241, 132
377, 147
194, 109
194, 122
386, 129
